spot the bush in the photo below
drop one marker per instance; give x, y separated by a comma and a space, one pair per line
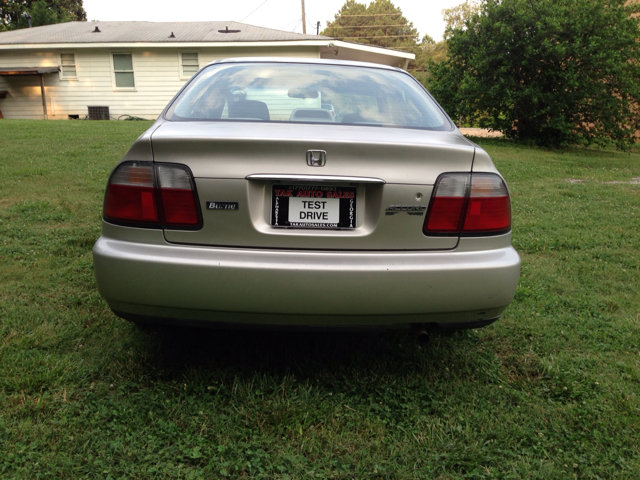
551, 72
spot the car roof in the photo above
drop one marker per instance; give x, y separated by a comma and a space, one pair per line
315, 61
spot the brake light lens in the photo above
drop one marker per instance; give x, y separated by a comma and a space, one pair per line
489, 208
130, 196
469, 204
447, 204
178, 197
142, 194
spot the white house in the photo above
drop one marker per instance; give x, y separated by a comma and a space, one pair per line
134, 68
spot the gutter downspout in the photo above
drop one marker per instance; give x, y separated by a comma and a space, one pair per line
44, 97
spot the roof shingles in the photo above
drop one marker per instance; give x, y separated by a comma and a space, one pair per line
149, 32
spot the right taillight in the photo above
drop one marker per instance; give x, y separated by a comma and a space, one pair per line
468, 204
142, 194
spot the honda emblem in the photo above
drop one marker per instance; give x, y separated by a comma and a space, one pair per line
316, 158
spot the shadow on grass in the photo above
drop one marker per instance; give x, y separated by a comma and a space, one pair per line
367, 355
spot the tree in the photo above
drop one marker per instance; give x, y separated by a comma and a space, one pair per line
429, 53
43, 12
455, 17
430, 50
381, 23
437, 52
555, 72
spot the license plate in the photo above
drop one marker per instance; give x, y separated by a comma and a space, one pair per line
313, 206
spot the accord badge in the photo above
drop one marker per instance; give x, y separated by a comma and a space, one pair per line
410, 209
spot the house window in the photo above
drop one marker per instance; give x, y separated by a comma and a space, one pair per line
68, 66
123, 70
189, 64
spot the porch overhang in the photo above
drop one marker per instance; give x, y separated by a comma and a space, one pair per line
6, 71
28, 70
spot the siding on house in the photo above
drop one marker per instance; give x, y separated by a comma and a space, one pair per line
157, 74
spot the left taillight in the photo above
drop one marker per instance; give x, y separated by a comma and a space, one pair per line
141, 194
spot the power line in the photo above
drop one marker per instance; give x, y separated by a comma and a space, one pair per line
372, 15
385, 36
297, 25
285, 25
290, 22
252, 12
373, 26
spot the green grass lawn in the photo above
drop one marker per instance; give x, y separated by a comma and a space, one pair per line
549, 391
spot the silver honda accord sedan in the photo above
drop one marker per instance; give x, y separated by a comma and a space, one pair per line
248, 203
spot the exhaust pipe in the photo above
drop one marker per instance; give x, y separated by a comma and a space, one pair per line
422, 332
422, 336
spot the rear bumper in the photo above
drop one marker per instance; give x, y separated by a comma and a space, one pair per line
304, 288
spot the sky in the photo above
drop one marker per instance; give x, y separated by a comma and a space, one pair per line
279, 14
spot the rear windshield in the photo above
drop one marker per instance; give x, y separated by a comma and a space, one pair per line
275, 92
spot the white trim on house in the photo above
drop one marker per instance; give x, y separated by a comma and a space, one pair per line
187, 45
124, 45
371, 49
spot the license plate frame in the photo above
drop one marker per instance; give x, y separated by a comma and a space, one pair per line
321, 217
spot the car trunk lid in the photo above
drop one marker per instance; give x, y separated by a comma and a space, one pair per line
237, 167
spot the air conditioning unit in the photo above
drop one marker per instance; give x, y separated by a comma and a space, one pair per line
98, 113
